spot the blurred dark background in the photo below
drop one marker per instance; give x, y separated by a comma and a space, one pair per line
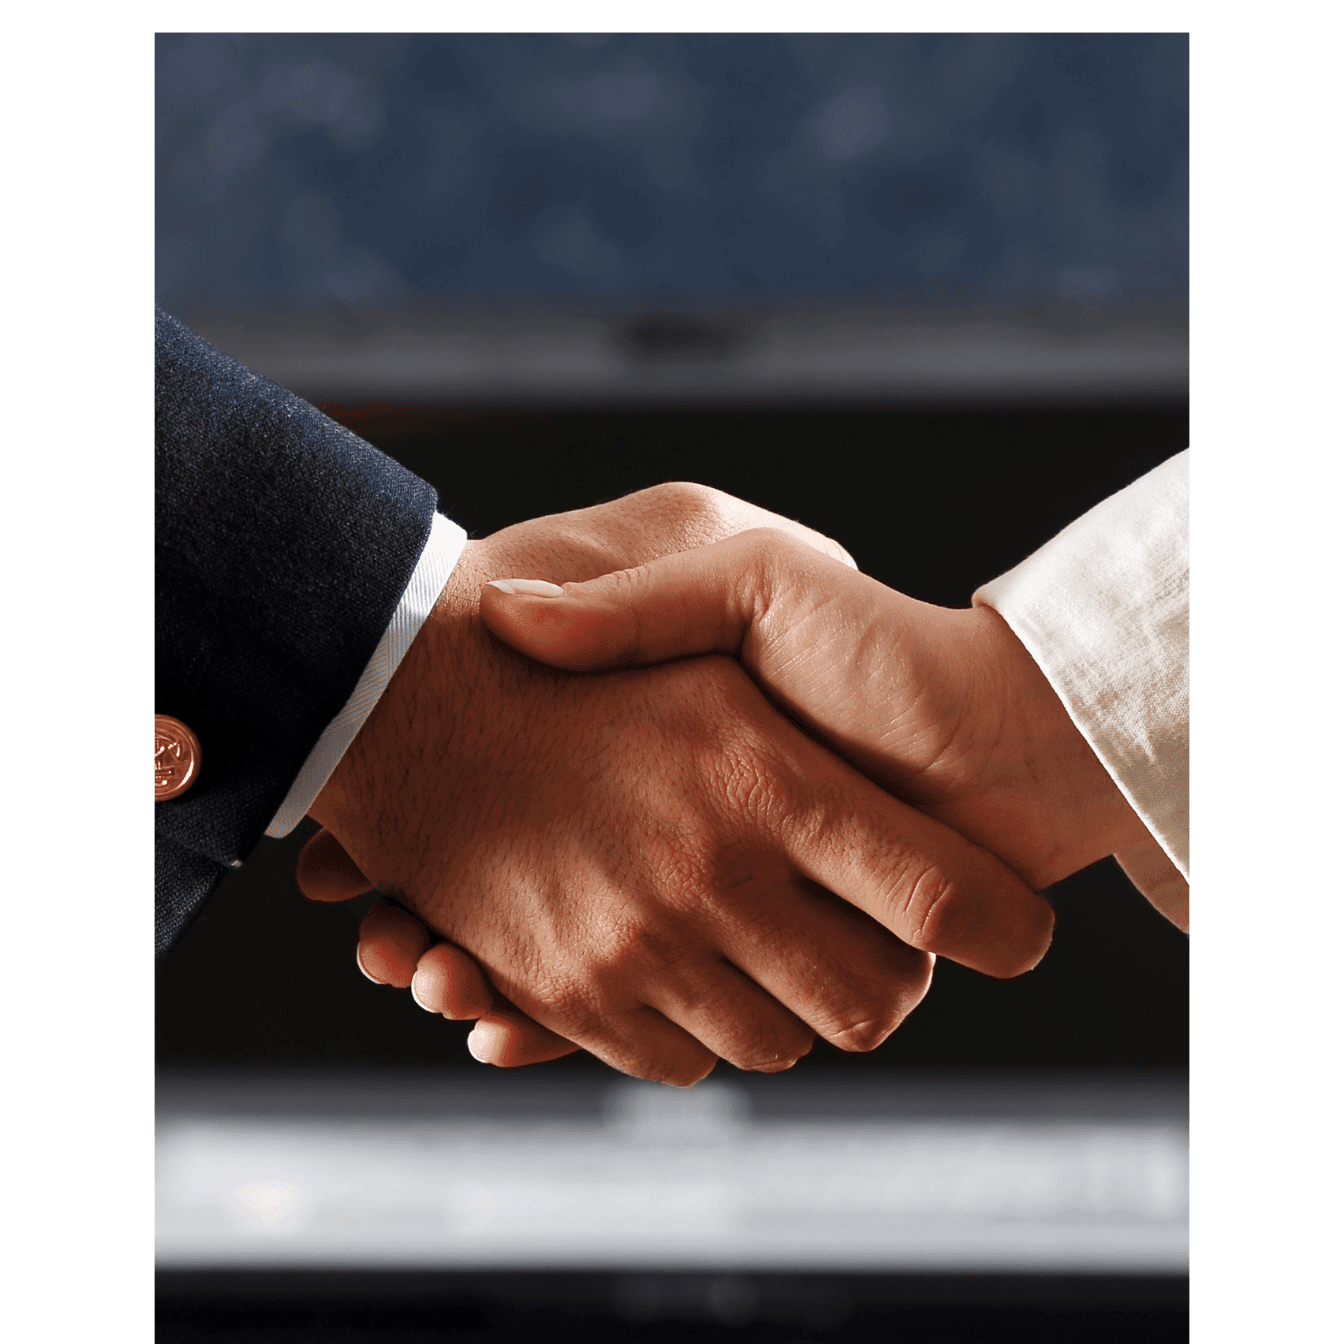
926, 294
933, 502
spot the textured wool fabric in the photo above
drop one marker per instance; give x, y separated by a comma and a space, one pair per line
283, 544
1104, 609
182, 882
432, 571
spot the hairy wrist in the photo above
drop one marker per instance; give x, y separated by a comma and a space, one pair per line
416, 724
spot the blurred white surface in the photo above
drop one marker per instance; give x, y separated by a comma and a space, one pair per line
670, 1179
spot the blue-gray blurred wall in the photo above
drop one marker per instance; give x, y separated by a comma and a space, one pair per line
383, 172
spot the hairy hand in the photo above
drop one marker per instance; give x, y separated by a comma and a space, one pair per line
649, 863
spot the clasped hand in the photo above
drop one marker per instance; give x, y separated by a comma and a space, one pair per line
660, 864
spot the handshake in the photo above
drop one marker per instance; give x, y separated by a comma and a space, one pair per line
727, 798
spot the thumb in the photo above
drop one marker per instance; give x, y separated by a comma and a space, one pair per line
690, 603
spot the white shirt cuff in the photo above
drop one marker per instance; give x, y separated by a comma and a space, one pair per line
436, 564
1104, 609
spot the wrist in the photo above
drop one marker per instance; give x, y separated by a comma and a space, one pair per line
1040, 767
418, 719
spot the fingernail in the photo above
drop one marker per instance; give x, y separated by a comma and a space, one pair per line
528, 587
416, 995
359, 961
483, 1036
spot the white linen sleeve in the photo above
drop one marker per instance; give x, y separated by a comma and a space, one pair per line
435, 566
1104, 609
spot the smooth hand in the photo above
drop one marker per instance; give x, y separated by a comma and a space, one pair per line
943, 707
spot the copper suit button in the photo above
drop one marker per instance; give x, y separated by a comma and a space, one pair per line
177, 757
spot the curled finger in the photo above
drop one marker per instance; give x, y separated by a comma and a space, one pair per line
508, 1040
448, 981
391, 943
325, 872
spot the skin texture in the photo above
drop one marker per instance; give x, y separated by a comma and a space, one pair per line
943, 707
653, 864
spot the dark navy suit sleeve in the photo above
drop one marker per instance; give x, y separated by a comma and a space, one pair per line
283, 544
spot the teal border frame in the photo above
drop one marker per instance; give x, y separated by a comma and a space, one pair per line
77, 989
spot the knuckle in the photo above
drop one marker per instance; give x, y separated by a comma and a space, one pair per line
619, 584
828, 546
692, 1071
707, 514
622, 592
933, 911
760, 551
680, 867
685, 497
871, 1022
683, 492
815, 825
796, 544
859, 1035
767, 542
866, 1021
703, 497
567, 1004
752, 782
780, 1051
685, 1070
663, 1071
630, 948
